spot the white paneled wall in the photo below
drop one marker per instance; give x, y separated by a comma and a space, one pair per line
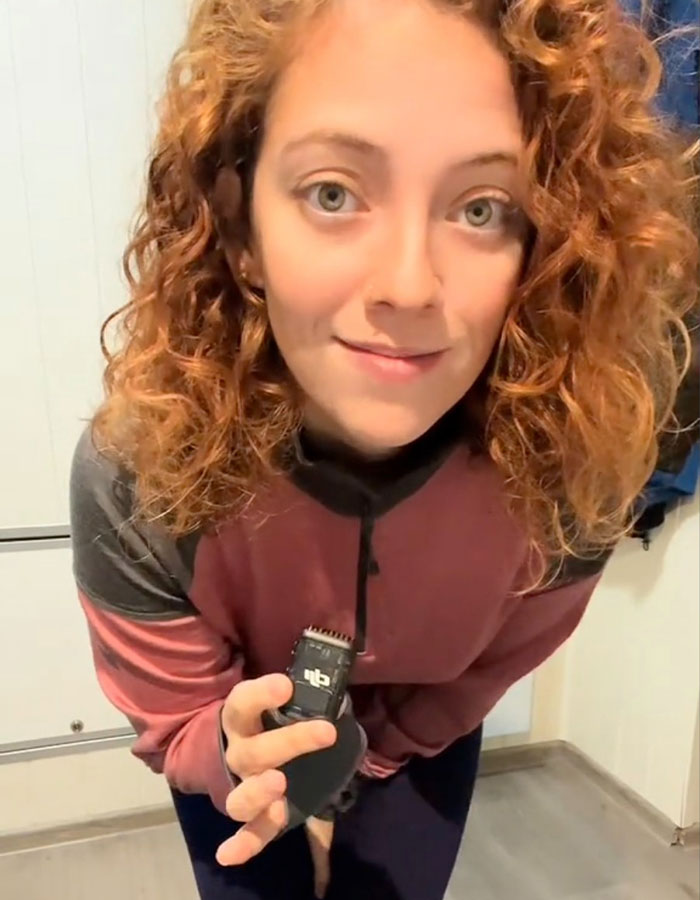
632, 680
48, 677
78, 83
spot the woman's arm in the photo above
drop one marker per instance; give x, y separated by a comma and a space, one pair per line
157, 659
432, 717
170, 679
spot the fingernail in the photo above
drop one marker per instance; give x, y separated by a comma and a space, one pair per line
279, 784
221, 856
283, 688
326, 733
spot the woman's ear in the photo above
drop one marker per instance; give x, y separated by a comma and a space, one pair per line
235, 235
227, 211
227, 204
250, 266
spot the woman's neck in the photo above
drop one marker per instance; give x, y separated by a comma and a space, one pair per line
331, 440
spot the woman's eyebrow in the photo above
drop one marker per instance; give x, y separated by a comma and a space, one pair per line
379, 156
339, 140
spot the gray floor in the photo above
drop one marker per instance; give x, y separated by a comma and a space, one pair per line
538, 834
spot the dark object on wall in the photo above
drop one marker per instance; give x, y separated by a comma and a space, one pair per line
678, 468
664, 491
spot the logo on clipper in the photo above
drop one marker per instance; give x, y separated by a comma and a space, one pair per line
317, 678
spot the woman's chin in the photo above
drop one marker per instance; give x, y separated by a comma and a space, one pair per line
378, 434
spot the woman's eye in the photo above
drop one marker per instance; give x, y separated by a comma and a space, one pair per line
484, 213
331, 197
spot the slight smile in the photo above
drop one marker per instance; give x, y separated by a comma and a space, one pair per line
392, 363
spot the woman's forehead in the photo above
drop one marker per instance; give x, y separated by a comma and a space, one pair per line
377, 68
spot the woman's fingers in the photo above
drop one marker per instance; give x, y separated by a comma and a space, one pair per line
249, 699
250, 750
255, 756
253, 837
272, 749
253, 796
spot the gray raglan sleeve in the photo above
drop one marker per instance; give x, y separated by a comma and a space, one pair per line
157, 658
122, 564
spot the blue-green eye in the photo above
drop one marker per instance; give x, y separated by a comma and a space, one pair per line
331, 197
484, 213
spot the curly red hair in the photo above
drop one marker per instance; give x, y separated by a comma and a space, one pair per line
199, 404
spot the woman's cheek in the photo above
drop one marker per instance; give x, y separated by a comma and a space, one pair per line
492, 281
306, 280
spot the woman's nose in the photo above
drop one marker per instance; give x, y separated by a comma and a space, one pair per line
405, 275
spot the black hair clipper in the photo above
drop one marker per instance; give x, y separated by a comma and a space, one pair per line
320, 672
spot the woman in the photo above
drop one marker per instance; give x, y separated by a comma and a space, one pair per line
405, 325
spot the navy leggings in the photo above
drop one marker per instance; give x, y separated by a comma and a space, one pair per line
399, 841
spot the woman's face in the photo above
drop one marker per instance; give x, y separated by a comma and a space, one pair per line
387, 231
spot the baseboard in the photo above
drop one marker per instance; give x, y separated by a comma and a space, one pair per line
648, 815
150, 817
493, 762
510, 759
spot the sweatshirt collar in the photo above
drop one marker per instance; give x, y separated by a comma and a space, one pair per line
355, 487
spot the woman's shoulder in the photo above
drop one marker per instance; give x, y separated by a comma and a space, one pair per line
121, 561
476, 476
98, 478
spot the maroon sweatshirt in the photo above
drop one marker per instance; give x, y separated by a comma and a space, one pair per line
417, 559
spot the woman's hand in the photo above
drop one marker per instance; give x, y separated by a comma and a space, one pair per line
254, 756
320, 835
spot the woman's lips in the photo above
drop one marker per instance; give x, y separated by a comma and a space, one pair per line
392, 363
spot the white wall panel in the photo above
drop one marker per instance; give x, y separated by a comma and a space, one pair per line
78, 85
632, 680
47, 675
27, 478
